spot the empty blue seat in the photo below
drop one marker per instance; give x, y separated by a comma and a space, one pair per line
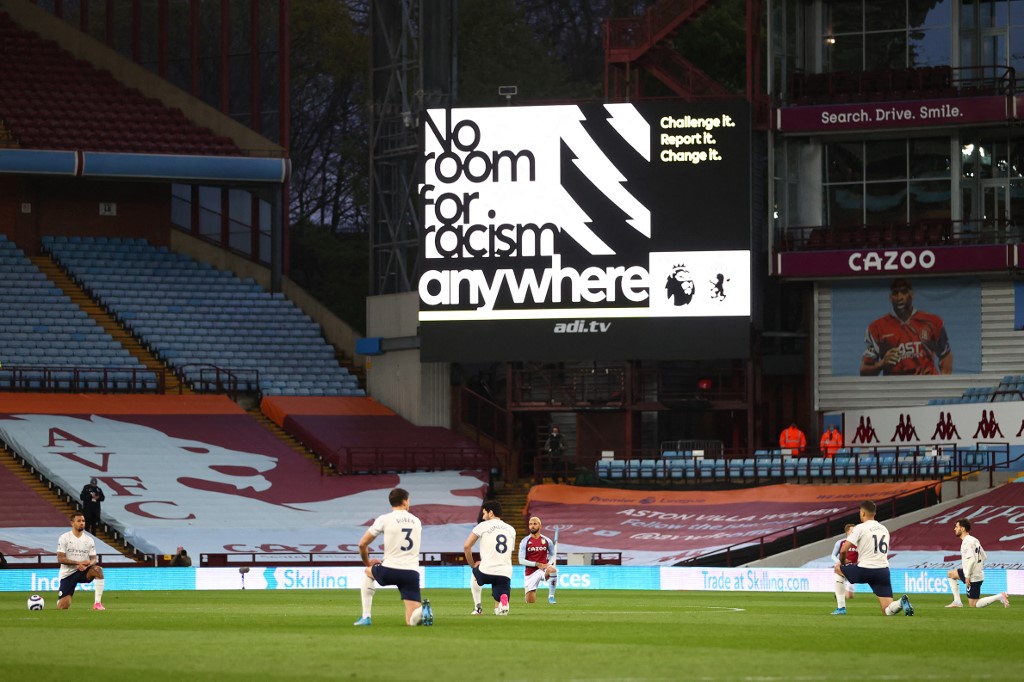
651, 468
678, 469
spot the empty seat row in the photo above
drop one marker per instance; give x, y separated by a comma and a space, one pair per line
44, 328
786, 467
227, 331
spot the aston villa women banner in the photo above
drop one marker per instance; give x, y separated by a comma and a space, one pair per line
665, 527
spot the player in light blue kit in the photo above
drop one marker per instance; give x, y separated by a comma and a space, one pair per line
872, 542
401, 563
497, 542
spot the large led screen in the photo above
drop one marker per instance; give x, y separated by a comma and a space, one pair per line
586, 232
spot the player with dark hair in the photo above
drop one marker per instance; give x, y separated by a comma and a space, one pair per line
906, 341
401, 563
497, 542
536, 555
971, 571
872, 542
76, 554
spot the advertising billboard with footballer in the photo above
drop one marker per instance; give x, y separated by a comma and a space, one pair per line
906, 327
586, 232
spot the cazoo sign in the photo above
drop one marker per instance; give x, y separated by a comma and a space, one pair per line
921, 260
891, 261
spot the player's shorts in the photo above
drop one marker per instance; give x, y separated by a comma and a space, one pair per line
499, 584
532, 581
407, 581
69, 582
974, 591
849, 585
876, 578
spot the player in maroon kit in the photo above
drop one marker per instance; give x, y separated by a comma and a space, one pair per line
906, 341
536, 554
851, 558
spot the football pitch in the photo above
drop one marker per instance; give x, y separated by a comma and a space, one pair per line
587, 635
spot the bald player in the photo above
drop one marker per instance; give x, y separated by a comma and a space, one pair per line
536, 554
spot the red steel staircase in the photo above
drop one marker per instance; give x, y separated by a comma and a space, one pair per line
644, 43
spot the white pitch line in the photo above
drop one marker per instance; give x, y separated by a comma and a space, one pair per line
674, 609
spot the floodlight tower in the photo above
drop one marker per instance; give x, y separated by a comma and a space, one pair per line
412, 70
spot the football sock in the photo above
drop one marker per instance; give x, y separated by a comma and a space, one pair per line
839, 587
97, 594
476, 589
893, 608
552, 584
982, 603
366, 592
954, 587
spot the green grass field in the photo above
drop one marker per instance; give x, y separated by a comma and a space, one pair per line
588, 635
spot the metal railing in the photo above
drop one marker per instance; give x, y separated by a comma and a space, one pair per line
216, 379
857, 464
49, 560
659, 21
484, 416
84, 379
900, 235
913, 83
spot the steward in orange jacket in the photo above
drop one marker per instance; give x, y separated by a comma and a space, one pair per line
793, 440
830, 443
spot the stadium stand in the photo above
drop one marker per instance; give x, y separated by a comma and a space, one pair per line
21, 506
359, 435
196, 470
51, 100
49, 343
1010, 388
215, 330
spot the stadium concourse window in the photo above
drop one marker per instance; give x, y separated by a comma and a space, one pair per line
892, 181
240, 216
886, 34
991, 36
992, 182
239, 220
181, 206
265, 227
210, 213
248, 79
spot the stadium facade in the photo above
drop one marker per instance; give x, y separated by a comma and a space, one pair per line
897, 155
